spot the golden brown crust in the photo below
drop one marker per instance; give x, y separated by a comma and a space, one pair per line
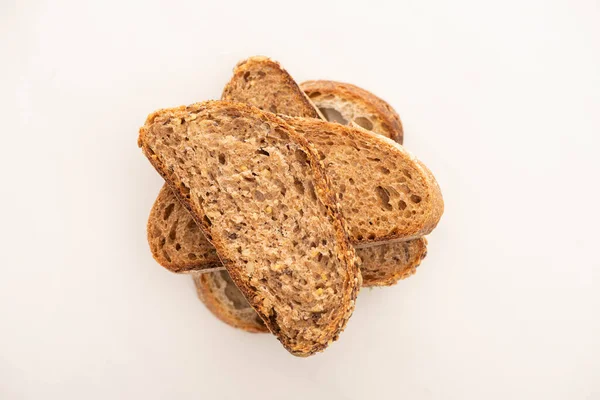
207, 293
352, 280
387, 117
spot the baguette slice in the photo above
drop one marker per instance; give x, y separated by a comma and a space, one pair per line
220, 295
349, 104
260, 196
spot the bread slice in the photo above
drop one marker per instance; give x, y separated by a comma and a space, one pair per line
391, 262
257, 190
263, 83
351, 105
385, 193
175, 240
220, 295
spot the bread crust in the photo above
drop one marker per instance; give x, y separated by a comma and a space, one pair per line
352, 280
379, 109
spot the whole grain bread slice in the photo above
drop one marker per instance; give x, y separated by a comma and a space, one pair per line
261, 198
385, 193
220, 295
263, 83
350, 105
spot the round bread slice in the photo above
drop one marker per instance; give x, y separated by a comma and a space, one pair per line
350, 105
220, 295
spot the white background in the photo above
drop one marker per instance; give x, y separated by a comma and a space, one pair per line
501, 99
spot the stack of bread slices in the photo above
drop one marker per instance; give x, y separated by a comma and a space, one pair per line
283, 200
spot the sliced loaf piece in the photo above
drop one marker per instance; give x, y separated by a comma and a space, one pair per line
263, 83
351, 105
220, 295
258, 192
175, 240
385, 193
391, 262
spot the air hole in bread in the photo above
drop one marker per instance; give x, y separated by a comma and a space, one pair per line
263, 152
384, 198
364, 123
401, 204
259, 196
384, 170
321, 155
185, 190
371, 236
314, 94
404, 189
262, 74
192, 256
177, 246
222, 159
333, 115
207, 220
415, 199
311, 191
247, 76
351, 181
168, 211
166, 256
281, 134
405, 172
190, 225
299, 186
407, 214
301, 156
173, 232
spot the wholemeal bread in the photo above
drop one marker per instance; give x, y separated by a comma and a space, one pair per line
385, 193
349, 104
391, 262
260, 196
181, 251
220, 295
175, 240
263, 83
